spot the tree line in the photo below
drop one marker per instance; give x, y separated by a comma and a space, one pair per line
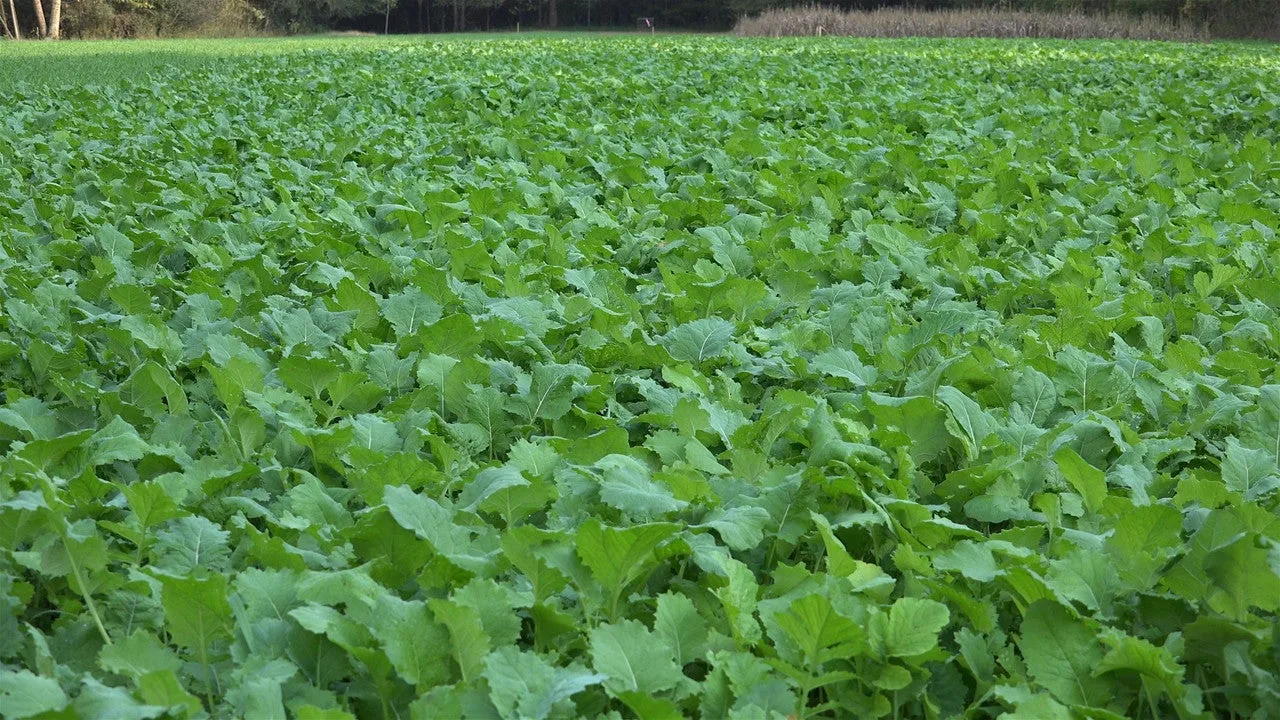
146, 18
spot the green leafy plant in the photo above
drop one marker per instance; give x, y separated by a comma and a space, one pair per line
678, 377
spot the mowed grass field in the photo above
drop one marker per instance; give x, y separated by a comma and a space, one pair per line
639, 377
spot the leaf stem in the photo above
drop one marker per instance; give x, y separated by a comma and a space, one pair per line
208, 677
61, 527
84, 592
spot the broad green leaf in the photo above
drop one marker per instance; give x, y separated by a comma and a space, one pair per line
24, 694
974, 422
819, 632
469, 644
913, 626
1035, 394
739, 598
434, 523
137, 655
839, 561
31, 416
117, 440
1241, 572
410, 310
1248, 471
433, 372
970, 559
101, 702
196, 613
1138, 655
525, 685
1087, 480
626, 485
679, 626
416, 645
1061, 654
825, 441
1143, 540
1085, 576
699, 340
633, 659
487, 483
550, 391
919, 418
844, 363
1261, 428
1038, 707
496, 606
619, 556
192, 542
741, 528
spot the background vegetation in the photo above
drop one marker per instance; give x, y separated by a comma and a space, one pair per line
162, 18
967, 22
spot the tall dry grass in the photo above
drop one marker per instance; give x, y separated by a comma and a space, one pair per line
971, 22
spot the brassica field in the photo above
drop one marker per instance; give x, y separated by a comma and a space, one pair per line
645, 378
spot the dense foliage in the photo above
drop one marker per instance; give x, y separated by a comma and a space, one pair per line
637, 378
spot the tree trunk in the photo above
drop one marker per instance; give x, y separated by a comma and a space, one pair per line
42, 29
419, 16
55, 21
4, 21
554, 20
386, 20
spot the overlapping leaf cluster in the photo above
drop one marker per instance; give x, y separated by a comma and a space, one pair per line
631, 378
